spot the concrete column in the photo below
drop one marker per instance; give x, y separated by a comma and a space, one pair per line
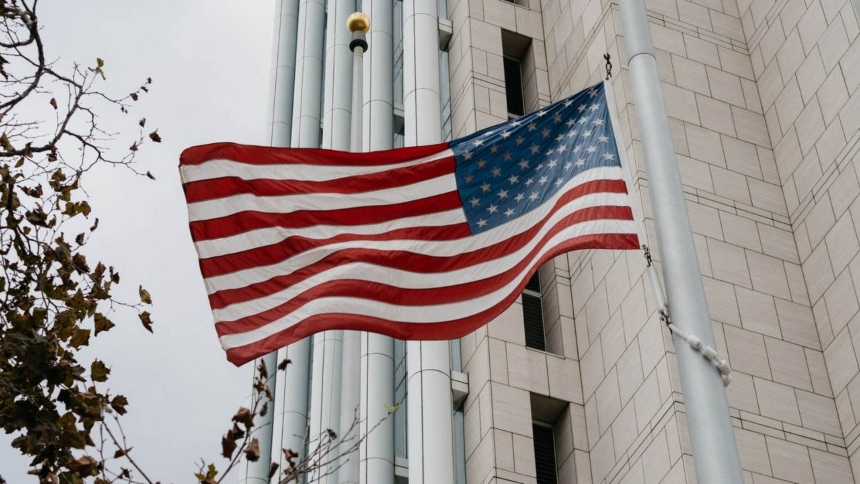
309, 69
430, 420
376, 465
269, 428
258, 472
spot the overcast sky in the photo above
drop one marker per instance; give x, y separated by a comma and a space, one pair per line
209, 60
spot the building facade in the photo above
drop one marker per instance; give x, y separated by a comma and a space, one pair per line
577, 382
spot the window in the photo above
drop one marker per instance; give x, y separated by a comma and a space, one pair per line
550, 429
544, 444
514, 87
533, 314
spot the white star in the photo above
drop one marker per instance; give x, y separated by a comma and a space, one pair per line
595, 107
505, 134
509, 212
591, 149
541, 113
570, 122
545, 133
552, 164
494, 149
529, 182
523, 164
602, 139
475, 201
514, 179
507, 156
609, 156
532, 127
503, 194
485, 187
516, 123
549, 152
583, 120
482, 223
587, 133
519, 197
496, 171
568, 103
582, 107
469, 178
493, 208
557, 117
598, 122
533, 196
568, 165
482, 163
572, 134
478, 142
592, 93
560, 137
577, 148
543, 180
520, 140
540, 165
467, 155
558, 182
535, 148
561, 149
580, 162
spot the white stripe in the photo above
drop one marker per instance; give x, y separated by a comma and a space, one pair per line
221, 168
433, 248
272, 235
363, 271
285, 204
406, 314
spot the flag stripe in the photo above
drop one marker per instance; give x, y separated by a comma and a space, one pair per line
398, 177
240, 223
209, 166
373, 268
272, 235
222, 207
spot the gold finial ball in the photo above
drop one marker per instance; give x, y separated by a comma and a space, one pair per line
358, 21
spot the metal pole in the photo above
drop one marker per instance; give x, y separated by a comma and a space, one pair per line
715, 453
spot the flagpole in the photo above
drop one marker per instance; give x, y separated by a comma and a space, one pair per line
715, 453
348, 473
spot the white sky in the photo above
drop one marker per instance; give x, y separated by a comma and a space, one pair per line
209, 60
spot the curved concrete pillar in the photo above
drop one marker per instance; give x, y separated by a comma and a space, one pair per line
429, 406
376, 464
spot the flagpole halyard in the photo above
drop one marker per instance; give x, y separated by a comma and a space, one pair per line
709, 424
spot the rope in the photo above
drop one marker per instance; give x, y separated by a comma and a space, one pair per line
663, 311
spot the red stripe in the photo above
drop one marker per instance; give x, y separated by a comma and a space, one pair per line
397, 177
398, 296
252, 220
265, 155
280, 252
418, 331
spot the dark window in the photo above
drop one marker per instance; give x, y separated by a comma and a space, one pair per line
544, 442
514, 86
533, 314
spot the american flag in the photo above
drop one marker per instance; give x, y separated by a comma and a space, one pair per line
427, 242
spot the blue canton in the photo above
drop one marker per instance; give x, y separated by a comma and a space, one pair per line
512, 168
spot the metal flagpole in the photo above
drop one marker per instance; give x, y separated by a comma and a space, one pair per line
358, 24
713, 443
